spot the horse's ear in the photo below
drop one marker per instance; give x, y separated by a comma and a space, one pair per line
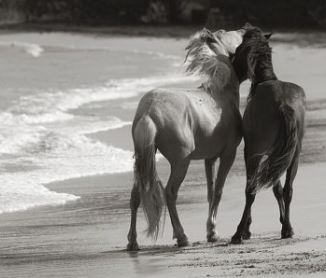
207, 36
232, 57
247, 26
267, 36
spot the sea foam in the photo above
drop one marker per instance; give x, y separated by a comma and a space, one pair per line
33, 49
43, 141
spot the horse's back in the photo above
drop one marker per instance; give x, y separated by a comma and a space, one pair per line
191, 119
284, 93
278, 91
268, 96
175, 105
163, 106
262, 118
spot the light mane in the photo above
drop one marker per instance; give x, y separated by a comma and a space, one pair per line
206, 56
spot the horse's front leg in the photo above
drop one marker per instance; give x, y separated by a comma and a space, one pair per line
178, 173
226, 161
243, 232
210, 174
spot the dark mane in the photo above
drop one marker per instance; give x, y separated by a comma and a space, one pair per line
253, 58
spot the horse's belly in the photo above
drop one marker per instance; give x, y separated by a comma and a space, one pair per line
209, 146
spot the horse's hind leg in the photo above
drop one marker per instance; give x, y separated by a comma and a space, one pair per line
178, 173
209, 170
278, 193
226, 161
287, 231
246, 234
134, 204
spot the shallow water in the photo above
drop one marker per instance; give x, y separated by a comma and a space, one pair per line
46, 79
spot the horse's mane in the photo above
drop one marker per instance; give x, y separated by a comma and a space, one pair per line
259, 57
204, 52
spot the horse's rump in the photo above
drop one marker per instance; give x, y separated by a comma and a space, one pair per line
277, 159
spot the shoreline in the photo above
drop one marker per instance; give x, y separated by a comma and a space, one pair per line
151, 31
160, 31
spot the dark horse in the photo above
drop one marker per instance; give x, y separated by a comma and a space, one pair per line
273, 128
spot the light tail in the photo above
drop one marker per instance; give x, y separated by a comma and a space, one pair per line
145, 174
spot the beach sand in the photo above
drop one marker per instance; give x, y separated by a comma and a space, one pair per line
88, 237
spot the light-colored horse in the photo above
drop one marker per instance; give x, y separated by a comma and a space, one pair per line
184, 125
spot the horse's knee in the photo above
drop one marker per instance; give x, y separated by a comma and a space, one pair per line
210, 192
250, 195
250, 190
217, 196
170, 195
134, 198
219, 191
278, 191
209, 198
287, 193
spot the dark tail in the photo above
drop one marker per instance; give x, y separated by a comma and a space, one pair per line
278, 159
146, 178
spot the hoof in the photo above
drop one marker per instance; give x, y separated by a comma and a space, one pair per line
287, 233
246, 235
212, 237
132, 246
182, 242
236, 240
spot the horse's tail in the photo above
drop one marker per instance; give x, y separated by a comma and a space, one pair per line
145, 174
279, 157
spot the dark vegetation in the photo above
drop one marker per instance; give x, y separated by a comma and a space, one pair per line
214, 13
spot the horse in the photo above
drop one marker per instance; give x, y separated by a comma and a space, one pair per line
273, 129
185, 125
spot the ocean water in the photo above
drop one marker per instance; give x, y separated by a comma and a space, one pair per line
46, 79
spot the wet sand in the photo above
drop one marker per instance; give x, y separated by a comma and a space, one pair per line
82, 239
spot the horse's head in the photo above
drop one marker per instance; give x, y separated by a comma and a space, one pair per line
207, 52
254, 46
230, 40
220, 42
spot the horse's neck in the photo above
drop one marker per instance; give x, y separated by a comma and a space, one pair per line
226, 92
219, 48
223, 85
263, 71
